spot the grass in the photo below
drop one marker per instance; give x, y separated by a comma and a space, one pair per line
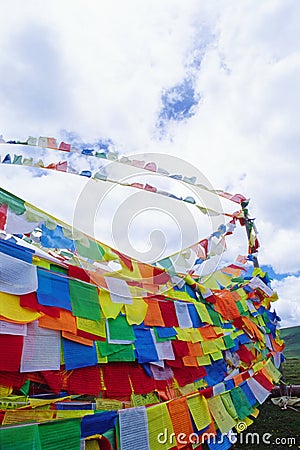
291, 337
291, 371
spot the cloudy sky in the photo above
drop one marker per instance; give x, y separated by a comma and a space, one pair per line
215, 83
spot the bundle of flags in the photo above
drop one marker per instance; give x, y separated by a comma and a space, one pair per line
118, 359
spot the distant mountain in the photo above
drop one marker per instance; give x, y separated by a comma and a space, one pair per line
291, 337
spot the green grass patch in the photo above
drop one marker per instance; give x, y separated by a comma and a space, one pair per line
291, 371
291, 336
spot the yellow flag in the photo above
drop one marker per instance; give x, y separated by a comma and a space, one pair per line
209, 347
272, 371
199, 410
136, 312
5, 391
203, 313
28, 415
217, 355
183, 334
72, 414
160, 428
195, 335
11, 309
40, 262
96, 327
223, 419
229, 405
109, 309
203, 360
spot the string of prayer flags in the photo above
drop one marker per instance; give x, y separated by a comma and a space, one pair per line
107, 349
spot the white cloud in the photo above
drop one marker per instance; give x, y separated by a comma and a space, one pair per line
245, 135
280, 247
116, 58
288, 307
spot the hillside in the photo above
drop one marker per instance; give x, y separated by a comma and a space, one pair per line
291, 337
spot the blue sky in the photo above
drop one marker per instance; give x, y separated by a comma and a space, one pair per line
215, 83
